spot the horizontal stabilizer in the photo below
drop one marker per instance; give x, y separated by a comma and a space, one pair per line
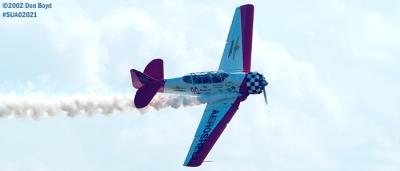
139, 79
155, 69
145, 94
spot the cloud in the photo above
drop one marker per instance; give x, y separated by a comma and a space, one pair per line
331, 66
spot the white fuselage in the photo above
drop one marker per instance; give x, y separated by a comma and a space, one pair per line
205, 83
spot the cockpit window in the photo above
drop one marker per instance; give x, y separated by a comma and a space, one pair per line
215, 78
205, 77
196, 79
223, 74
187, 78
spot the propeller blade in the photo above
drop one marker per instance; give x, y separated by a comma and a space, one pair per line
265, 97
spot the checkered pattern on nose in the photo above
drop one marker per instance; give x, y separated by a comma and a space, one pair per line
253, 81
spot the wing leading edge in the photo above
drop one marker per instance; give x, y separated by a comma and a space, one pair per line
213, 122
237, 51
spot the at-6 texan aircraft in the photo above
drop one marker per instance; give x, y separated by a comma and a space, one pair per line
224, 88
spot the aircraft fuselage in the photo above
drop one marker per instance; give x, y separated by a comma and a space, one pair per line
210, 83
205, 83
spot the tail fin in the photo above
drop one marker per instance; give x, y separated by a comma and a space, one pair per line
155, 69
148, 83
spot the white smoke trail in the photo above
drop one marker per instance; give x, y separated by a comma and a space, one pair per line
37, 106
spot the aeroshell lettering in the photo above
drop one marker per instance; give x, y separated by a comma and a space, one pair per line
206, 131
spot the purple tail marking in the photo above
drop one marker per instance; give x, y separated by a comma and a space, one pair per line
139, 79
145, 94
155, 69
148, 83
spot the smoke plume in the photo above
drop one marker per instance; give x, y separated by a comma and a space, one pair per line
44, 106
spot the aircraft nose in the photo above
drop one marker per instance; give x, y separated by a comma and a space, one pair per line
264, 83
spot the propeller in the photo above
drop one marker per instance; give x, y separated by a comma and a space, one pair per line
264, 84
265, 96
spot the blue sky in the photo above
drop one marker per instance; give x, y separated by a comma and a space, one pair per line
332, 67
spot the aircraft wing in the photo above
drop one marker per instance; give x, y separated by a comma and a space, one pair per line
237, 51
213, 122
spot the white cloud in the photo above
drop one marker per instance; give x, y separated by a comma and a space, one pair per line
331, 66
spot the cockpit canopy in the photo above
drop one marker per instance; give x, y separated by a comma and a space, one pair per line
205, 77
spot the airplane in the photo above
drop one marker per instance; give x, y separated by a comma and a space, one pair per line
223, 89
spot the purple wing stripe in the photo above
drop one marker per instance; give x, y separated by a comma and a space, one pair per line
247, 16
198, 158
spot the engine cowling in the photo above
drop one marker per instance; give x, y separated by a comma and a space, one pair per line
255, 83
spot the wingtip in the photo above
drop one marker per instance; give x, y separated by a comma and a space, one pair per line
191, 163
247, 6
